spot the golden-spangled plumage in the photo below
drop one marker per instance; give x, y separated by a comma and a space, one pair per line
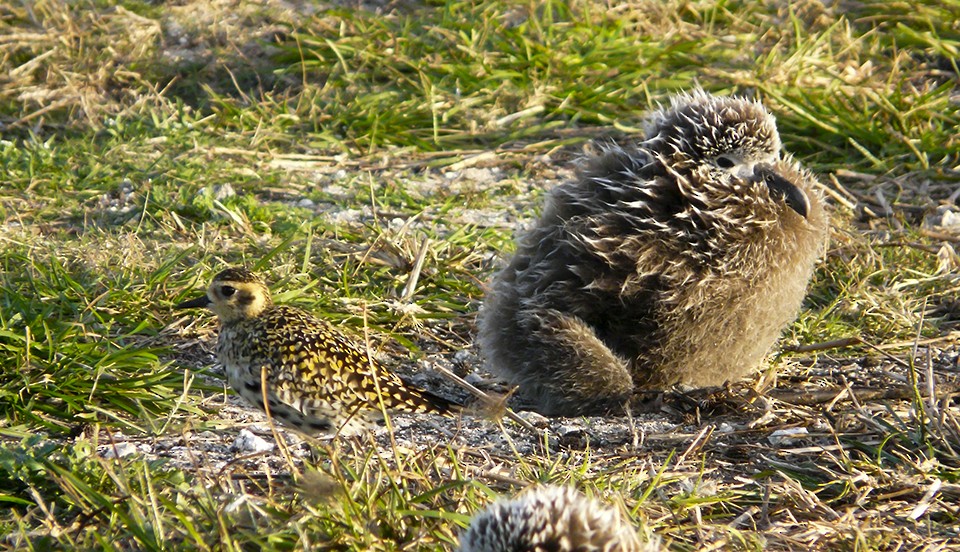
552, 519
318, 380
679, 259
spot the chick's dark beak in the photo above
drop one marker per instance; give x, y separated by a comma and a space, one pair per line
782, 188
199, 302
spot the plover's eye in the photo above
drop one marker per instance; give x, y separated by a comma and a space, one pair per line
725, 162
227, 291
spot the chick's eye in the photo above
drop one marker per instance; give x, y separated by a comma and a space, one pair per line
725, 162
228, 291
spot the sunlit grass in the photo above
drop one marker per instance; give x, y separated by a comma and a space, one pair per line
146, 147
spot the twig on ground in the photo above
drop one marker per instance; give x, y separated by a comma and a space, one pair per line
821, 396
486, 399
823, 346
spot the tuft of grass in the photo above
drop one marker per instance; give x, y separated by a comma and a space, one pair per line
74, 348
473, 73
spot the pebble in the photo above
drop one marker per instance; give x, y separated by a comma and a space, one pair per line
782, 436
247, 442
535, 419
120, 450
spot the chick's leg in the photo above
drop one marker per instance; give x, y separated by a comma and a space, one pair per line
579, 374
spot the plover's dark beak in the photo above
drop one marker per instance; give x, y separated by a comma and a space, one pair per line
782, 188
199, 302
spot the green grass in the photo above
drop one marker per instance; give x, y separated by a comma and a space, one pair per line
124, 123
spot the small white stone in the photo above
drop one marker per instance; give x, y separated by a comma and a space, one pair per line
473, 378
784, 435
950, 219
120, 450
223, 191
535, 419
565, 430
247, 442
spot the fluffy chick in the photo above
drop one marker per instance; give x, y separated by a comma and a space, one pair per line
676, 260
552, 519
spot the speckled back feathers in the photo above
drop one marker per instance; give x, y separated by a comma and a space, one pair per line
313, 376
